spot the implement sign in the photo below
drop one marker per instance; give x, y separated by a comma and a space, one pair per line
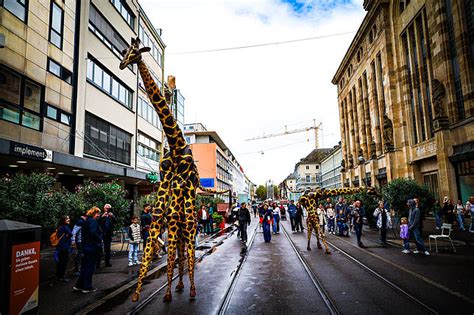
24, 278
31, 152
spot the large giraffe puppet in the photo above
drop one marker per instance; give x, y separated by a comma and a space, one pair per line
179, 192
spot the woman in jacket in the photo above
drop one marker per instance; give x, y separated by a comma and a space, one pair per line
91, 246
384, 221
267, 221
64, 246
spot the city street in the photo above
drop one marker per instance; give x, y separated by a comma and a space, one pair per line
269, 278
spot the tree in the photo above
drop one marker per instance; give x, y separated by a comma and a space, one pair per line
261, 192
98, 194
398, 191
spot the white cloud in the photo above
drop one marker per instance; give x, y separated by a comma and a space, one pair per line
244, 93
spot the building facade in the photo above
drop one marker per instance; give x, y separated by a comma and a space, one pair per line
406, 96
308, 170
331, 169
63, 97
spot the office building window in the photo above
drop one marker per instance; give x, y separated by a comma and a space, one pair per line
148, 147
148, 112
307, 167
20, 99
57, 114
104, 80
56, 25
146, 40
59, 71
417, 59
18, 8
106, 33
106, 141
453, 55
124, 11
431, 181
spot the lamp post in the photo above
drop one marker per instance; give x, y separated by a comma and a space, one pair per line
361, 160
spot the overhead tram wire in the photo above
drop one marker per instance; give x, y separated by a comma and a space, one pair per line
262, 44
274, 148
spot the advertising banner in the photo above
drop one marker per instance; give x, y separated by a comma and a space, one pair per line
24, 277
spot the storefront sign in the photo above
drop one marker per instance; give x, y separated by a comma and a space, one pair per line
30, 152
24, 277
425, 150
207, 182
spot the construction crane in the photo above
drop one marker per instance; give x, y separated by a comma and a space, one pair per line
316, 127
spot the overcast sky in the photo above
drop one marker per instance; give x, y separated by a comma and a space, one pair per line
245, 93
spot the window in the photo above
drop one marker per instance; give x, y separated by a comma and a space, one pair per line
148, 147
106, 33
108, 83
56, 25
307, 167
124, 11
106, 141
59, 71
58, 115
147, 42
17, 7
308, 178
20, 99
431, 181
148, 112
317, 167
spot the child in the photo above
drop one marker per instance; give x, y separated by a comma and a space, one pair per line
405, 235
135, 238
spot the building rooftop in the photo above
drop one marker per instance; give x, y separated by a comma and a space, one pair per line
316, 156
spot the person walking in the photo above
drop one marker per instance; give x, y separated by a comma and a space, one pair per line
203, 216
107, 223
134, 232
447, 210
384, 221
405, 235
210, 222
244, 220
91, 246
145, 223
64, 245
267, 220
414, 227
437, 214
77, 243
254, 208
459, 212
299, 217
470, 210
276, 219
357, 214
292, 214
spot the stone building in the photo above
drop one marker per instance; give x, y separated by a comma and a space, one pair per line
308, 169
406, 96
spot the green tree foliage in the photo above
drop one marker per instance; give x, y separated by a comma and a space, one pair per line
207, 200
261, 192
368, 201
398, 191
98, 194
217, 218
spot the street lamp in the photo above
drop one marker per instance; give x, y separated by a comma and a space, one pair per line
361, 160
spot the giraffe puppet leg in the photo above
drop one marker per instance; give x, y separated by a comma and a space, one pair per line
310, 230
172, 242
148, 253
191, 260
181, 261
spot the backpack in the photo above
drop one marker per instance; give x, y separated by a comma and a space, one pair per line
54, 239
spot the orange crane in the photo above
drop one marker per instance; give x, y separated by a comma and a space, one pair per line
316, 127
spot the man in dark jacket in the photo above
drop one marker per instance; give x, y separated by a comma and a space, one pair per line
244, 219
357, 214
292, 213
107, 222
414, 227
145, 223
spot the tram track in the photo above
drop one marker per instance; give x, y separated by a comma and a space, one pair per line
380, 277
314, 278
151, 297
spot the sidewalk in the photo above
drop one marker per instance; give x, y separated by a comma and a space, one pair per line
58, 297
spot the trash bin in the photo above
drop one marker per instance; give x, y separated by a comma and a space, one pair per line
19, 267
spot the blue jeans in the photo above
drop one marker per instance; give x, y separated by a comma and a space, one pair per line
460, 222
133, 252
276, 223
330, 225
88, 263
418, 240
438, 219
406, 243
358, 229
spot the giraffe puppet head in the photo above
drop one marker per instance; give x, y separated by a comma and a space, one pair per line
133, 54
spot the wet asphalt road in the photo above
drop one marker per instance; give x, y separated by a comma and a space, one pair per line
273, 280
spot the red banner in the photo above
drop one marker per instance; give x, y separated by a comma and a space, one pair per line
24, 278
